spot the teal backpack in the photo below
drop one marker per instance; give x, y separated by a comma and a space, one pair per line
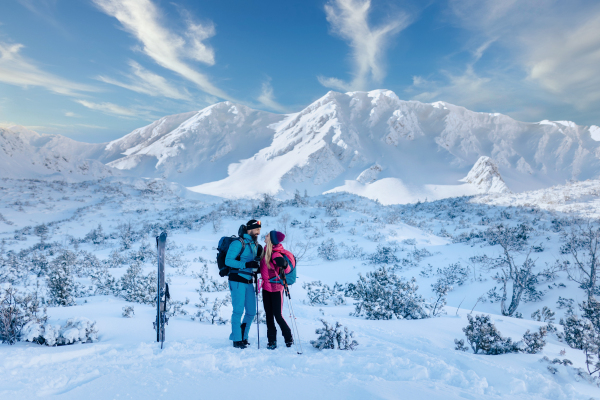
290, 277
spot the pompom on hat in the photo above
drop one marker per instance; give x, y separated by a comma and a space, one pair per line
276, 237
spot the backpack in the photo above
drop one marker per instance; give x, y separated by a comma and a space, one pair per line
290, 277
222, 248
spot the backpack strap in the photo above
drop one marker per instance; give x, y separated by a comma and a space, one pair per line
239, 256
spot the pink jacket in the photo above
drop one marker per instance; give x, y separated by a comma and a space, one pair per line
267, 273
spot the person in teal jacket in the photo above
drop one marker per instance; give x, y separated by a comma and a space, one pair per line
242, 271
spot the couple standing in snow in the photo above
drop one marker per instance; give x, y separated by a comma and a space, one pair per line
272, 265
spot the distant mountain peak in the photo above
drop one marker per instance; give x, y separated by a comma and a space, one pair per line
486, 177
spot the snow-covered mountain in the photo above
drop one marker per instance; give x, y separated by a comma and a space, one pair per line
367, 143
379, 146
194, 148
28, 154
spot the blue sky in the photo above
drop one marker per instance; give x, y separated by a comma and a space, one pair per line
94, 70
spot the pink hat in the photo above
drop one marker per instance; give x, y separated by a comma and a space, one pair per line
276, 237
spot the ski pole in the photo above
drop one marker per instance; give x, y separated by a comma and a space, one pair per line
292, 317
257, 319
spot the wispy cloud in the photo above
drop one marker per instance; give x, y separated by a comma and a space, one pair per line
146, 82
16, 70
349, 20
267, 98
555, 44
109, 108
166, 48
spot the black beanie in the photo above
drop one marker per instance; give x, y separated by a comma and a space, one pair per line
252, 224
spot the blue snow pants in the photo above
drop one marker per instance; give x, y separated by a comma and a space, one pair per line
242, 297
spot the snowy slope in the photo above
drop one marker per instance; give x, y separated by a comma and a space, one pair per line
411, 359
28, 154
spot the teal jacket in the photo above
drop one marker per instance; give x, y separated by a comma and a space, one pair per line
239, 267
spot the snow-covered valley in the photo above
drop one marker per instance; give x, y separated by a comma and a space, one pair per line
104, 230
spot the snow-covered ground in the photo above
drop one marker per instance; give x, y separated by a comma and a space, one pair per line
395, 358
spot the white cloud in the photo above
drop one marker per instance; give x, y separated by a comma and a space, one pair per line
555, 44
169, 50
146, 82
267, 98
109, 108
466, 89
70, 114
568, 63
349, 20
16, 70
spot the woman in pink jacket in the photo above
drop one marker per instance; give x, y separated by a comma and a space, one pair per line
272, 267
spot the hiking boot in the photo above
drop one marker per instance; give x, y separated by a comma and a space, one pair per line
243, 326
272, 345
290, 343
240, 345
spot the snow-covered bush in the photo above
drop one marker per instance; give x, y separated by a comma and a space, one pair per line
519, 278
334, 225
212, 315
11, 315
321, 294
127, 235
381, 294
96, 236
582, 244
534, 342
332, 207
544, 315
175, 308
208, 283
565, 303
384, 255
328, 250
74, 330
41, 231
351, 252
61, 286
299, 201
483, 336
128, 312
331, 337
268, 206
591, 340
104, 283
453, 274
136, 287
441, 289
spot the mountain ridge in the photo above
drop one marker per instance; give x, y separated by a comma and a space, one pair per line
361, 142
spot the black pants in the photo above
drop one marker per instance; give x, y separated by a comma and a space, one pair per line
273, 302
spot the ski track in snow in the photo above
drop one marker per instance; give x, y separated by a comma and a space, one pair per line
395, 359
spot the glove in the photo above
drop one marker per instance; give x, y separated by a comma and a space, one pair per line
259, 251
253, 265
281, 262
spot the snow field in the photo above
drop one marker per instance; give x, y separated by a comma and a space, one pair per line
394, 359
